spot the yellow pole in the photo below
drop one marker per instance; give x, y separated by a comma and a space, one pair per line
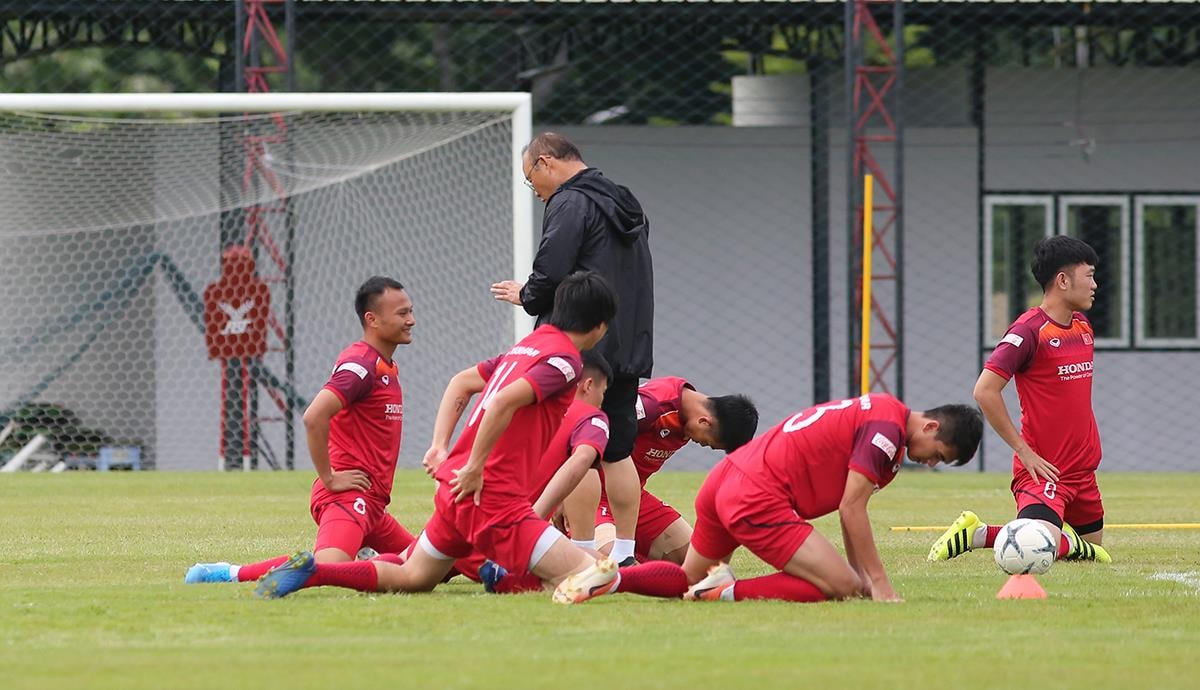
1131, 525
868, 245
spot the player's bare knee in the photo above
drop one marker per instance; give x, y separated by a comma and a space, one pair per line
331, 555
845, 585
675, 556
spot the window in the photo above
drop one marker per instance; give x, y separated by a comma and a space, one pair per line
1149, 272
1013, 225
1166, 253
1103, 222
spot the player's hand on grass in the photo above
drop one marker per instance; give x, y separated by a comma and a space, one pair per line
1040, 469
467, 481
434, 457
347, 480
884, 592
507, 291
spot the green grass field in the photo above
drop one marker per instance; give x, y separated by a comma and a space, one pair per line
92, 596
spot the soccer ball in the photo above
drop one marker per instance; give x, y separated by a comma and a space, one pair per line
1025, 547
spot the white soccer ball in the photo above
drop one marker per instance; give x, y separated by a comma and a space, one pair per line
1025, 547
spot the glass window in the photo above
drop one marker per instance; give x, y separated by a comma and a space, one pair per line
1013, 226
1166, 245
1103, 223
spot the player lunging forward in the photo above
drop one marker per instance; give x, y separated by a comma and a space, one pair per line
829, 457
354, 425
1049, 351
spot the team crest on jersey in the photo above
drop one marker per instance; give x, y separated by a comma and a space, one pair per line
1087, 338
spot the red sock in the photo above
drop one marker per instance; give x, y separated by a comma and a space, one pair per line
360, 575
778, 586
516, 583
992, 532
249, 573
1064, 546
654, 579
393, 558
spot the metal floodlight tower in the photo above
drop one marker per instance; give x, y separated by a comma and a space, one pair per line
874, 83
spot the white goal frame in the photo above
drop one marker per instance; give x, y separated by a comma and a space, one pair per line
518, 104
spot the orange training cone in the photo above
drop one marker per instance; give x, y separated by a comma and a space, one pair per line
1021, 587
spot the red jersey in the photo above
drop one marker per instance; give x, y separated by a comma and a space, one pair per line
1052, 363
583, 425
365, 434
659, 428
551, 363
809, 455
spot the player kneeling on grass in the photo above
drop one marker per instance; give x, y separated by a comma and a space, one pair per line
670, 414
354, 426
826, 458
482, 500
1049, 350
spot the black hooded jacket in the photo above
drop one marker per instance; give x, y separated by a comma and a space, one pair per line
594, 224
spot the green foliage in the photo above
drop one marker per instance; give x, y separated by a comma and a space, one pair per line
61, 426
91, 595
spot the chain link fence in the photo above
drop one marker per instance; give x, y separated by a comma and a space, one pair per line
744, 128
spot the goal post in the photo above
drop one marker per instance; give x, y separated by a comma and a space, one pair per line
116, 210
519, 104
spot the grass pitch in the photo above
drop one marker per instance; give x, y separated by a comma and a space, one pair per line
92, 596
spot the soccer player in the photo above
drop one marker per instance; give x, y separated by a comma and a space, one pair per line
670, 413
576, 447
829, 457
594, 224
1049, 351
482, 500
353, 426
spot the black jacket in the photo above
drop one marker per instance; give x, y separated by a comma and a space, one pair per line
594, 224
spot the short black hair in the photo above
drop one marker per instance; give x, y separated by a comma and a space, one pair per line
369, 293
961, 427
737, 420
583, 301
554, 145
1053, 254
595, 362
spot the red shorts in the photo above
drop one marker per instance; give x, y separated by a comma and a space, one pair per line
1075, 497
654, 517
351, 520
503, 529
731, 510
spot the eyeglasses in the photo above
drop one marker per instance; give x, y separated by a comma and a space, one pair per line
529, 182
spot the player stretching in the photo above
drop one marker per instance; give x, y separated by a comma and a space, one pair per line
482, 500
826, 458
577, 446
353, 426
1049, 350
670, 413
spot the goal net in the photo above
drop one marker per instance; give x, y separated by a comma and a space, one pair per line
179, 271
